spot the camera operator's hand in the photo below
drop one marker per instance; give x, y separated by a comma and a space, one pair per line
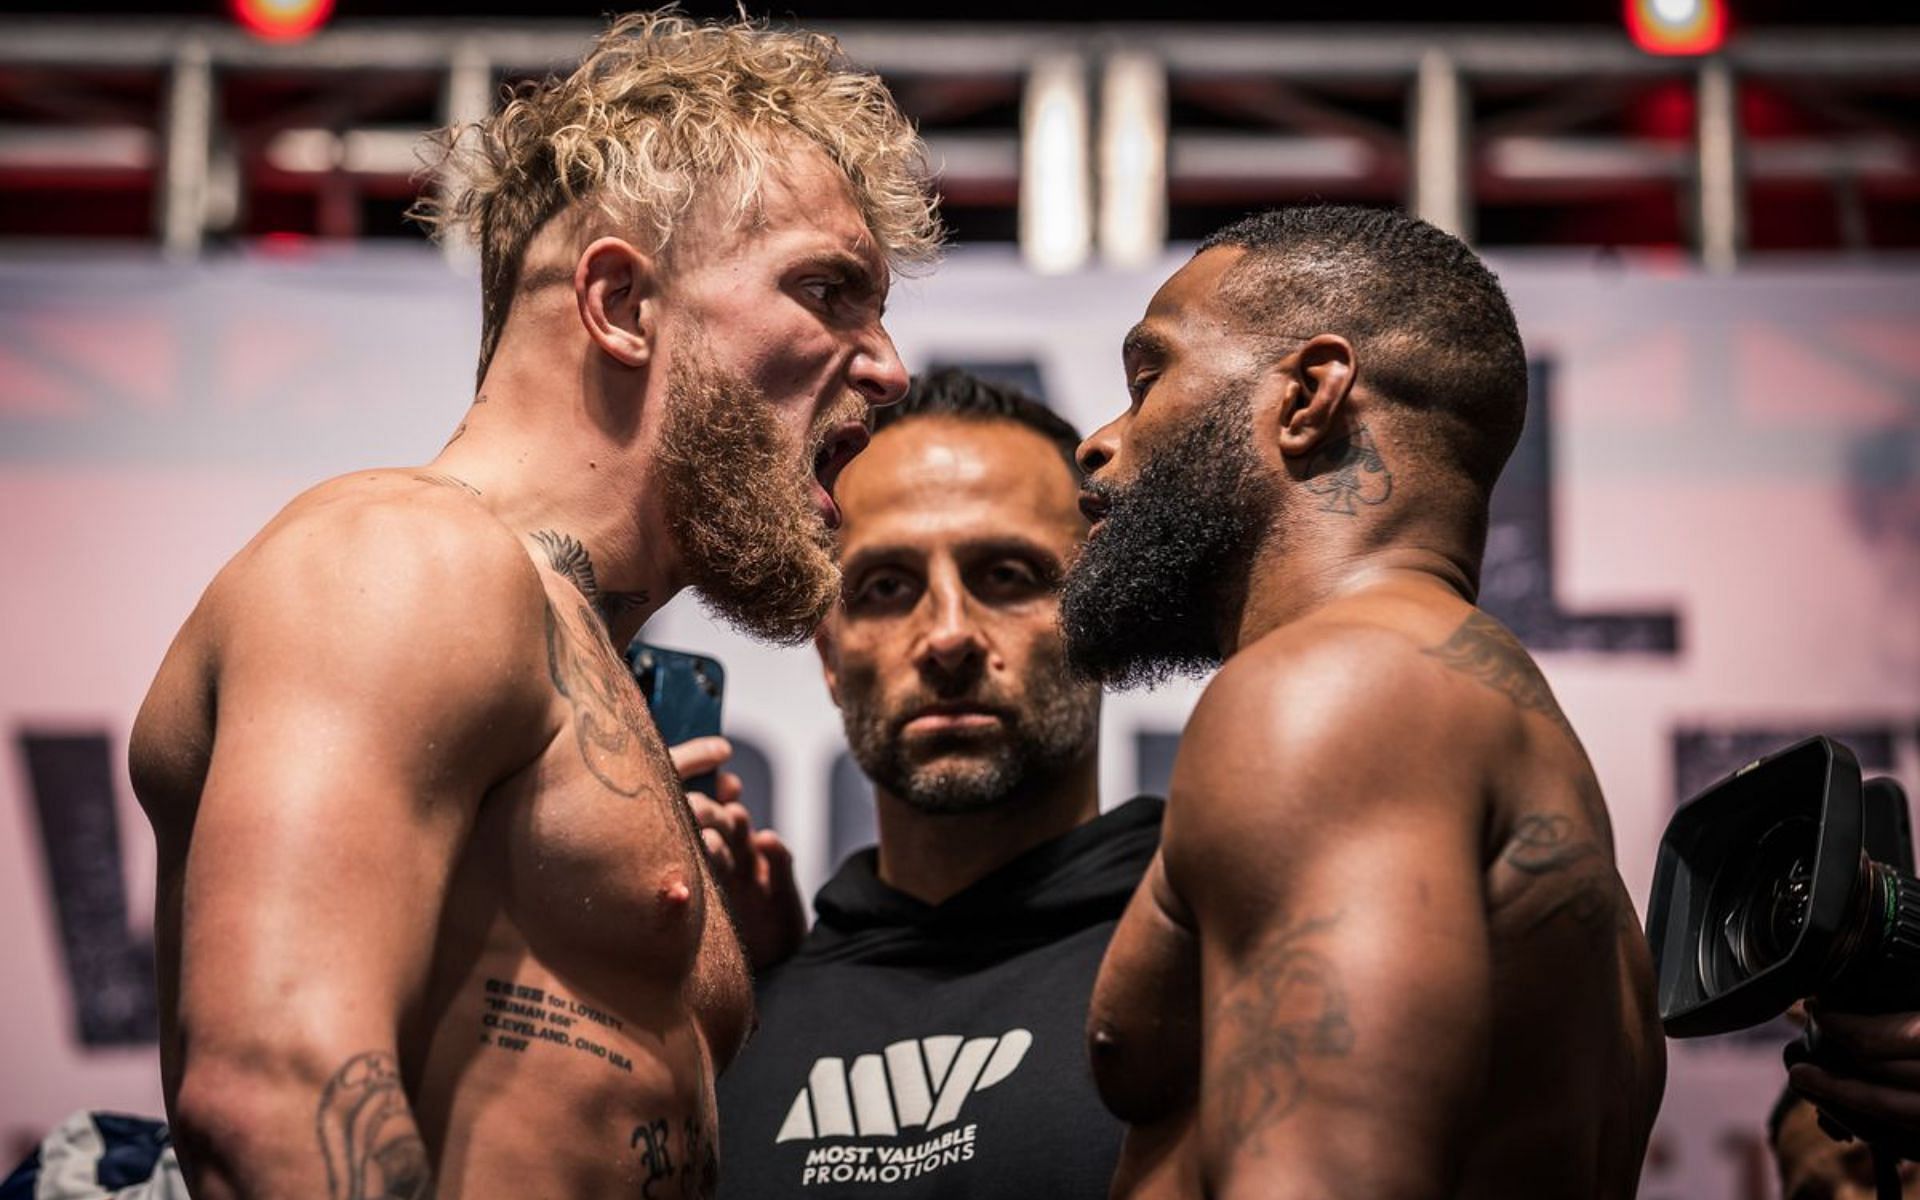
753, 866
1863, 1065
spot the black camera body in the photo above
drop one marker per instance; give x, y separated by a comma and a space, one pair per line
1791, 878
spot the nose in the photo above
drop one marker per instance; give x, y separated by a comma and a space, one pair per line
877, 372
953, 644
1099, 448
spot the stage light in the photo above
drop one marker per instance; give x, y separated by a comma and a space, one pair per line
1056, 185
281, 20
1683, 27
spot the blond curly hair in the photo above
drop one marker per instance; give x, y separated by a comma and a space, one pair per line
661, 110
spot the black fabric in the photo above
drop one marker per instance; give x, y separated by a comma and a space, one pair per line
922, 1051
131, 1146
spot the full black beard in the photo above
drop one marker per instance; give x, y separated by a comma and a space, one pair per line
1144, 601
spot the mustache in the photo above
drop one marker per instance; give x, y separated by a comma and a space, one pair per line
850, 408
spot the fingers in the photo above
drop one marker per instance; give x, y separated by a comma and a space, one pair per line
1896, 1105
776, 862
700, 755
719, 854
730, 789
726, 830
1866, 1037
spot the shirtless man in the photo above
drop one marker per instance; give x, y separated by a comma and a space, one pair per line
1384, 952
431, 911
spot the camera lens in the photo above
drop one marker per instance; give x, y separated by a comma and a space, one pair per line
1761, 907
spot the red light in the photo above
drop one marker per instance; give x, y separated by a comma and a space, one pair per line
1677, 26
281, 20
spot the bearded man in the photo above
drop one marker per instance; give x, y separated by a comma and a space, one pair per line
432, 915
1384, 951
924, 1039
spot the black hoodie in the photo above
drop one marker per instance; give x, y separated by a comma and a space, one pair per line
911, 1050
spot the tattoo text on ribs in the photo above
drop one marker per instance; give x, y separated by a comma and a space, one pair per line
1287, 1007
372, 1149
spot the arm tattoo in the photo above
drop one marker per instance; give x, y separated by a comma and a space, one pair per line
1543, 843
1483, 649
1584, 885
1289, 1006
1348, 470
568, 557
367, 1134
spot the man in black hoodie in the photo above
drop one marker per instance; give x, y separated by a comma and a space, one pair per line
925, 1040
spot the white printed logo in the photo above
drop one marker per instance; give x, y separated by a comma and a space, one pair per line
914, 1082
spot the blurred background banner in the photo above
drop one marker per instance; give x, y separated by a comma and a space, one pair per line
1710, 534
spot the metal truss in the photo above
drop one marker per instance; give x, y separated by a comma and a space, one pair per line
1089, 135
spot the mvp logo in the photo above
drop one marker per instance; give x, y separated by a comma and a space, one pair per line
911, 1083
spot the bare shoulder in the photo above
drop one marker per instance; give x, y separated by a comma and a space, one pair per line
1330, 690
387, 583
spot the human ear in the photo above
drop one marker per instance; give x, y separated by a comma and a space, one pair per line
616, 286
1314, 400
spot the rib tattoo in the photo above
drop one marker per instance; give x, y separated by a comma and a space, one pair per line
367, 1134
1289, 1007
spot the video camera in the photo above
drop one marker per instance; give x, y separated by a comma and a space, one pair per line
1790, 879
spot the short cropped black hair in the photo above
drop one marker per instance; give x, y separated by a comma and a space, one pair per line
953, 392
1431, 324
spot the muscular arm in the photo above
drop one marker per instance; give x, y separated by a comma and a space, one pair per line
376, 673
1326, 844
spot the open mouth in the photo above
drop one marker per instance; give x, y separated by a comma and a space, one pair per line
839, 449
1094, 507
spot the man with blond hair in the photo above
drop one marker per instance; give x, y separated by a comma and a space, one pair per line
431, 913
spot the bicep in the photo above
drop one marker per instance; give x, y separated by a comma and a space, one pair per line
356, 731
314, 879
1346, 992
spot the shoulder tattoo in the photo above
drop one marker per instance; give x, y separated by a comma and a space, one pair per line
1483, 649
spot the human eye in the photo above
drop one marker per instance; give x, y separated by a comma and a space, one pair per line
1012, 579
1139, 383
824, 289
880, 590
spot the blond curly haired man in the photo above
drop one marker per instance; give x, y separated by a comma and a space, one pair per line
431, 913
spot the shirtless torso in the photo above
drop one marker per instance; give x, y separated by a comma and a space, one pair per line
1385, 951
408, 799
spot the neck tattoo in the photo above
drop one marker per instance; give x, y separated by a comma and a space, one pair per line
568, 557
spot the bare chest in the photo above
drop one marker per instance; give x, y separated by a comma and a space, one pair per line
600, 861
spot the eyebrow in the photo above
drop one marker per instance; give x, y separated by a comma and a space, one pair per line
1142, 342
859, 276
1003, 546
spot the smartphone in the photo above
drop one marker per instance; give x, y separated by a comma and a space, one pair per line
683, 692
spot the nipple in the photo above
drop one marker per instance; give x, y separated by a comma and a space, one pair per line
675, 894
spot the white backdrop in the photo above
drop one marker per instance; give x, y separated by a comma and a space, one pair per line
1714, 548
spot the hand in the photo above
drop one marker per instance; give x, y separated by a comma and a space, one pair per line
752, 866
1863, 1069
